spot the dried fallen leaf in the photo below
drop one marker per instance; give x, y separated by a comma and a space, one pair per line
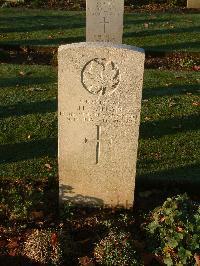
54, 239
196, 103
48, 166
13, 252
37, 215
86, 261
197, 259
21, 73
13, 244
146, 25
162, 219
196, 68
179, 229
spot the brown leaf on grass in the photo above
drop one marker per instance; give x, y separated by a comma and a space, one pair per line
197, 259
21, 73
162, 219
54, 239
48, 166
196, 68
179, 229
146, 25
35, 215
86, 261
13, 244
13, 252
196, 103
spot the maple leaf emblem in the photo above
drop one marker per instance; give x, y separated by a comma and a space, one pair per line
100, 76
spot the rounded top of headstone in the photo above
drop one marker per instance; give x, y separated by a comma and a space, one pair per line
101, 45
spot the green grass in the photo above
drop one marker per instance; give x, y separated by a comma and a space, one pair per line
166, 31
169, 132
28, 120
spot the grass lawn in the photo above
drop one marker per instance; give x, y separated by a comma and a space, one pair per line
159, 31
169, 136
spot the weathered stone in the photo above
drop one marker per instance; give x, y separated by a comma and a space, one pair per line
104, 21
193, 3
100, 89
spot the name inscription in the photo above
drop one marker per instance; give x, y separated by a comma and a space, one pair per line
100, 114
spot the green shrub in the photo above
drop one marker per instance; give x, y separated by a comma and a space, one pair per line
174, 230
117, 249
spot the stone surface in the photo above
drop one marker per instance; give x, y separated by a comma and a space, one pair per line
104, 21
100, 89
193, 3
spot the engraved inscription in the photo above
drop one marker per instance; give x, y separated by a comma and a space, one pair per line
100, 76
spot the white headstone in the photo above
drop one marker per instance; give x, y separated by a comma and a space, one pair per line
104, 21
193, 3
100, 90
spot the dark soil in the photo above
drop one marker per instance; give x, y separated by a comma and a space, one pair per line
85, 225
130, 6
48, 56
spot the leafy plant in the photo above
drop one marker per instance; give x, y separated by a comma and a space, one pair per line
176, 228
116, 249
187, 62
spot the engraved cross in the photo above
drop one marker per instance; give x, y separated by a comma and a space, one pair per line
104, 24
98, 144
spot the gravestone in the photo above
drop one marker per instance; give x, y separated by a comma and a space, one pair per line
100, 89
104, 21
193, 3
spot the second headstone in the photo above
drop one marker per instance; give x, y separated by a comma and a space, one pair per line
104, 21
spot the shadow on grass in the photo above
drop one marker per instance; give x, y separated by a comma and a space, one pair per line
169, 91
28, 108
41, 23
28, 150
129, 20
160, 32
174, 46
51, 42
183, 177
24, 81
150, 129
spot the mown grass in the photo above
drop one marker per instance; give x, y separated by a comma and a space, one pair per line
169, 131
28, 128
159, 31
